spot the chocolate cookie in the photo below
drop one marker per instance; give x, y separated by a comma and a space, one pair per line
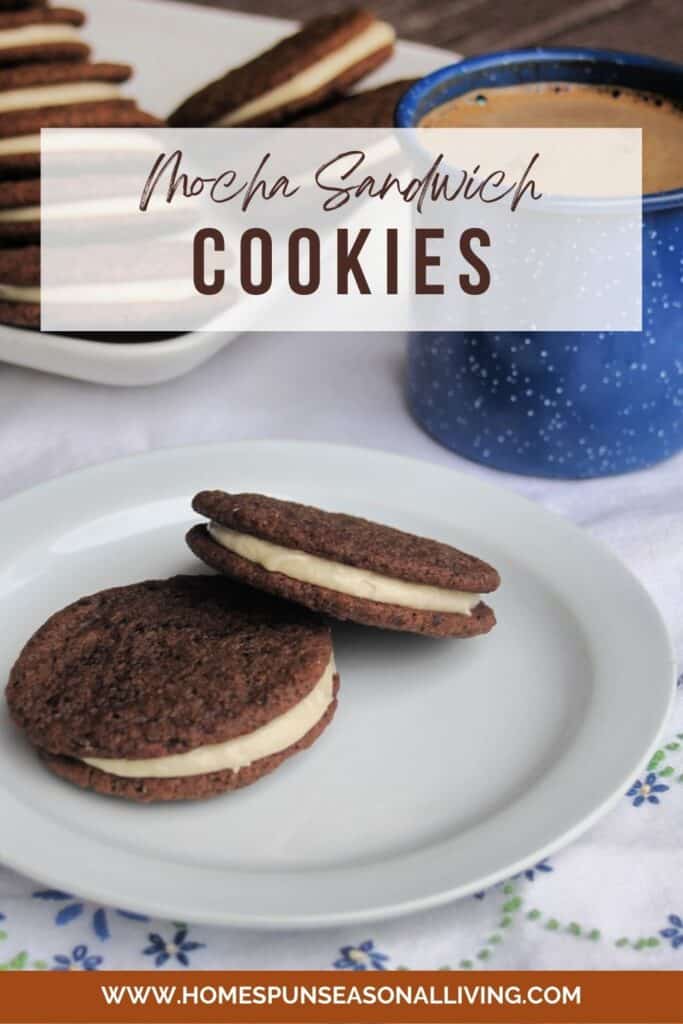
20, 286
20, 314
26, 76
20, 130
60, 84
345, 566
68, 115
173, 689
373, 108
41, 33
316, 64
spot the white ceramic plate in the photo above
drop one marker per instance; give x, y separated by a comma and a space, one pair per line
449, 765
175, 48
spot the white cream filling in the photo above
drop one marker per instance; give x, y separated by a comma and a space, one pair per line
344, 579
113, 206
276, 735
19, 293
20, 144
375, 37
106, 293
57, 95
38, 35
19, 214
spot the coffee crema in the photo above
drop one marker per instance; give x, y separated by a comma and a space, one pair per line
570, 105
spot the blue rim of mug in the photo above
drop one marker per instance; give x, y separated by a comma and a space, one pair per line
408, 103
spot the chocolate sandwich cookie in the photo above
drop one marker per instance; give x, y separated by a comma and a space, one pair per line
373, 108
20, 130
174, 689
316, 64
60, 84
345, 566
41, 33
16, 123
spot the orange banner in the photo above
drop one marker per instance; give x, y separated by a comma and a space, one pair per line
401, 997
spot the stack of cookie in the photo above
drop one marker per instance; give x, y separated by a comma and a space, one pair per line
47, 80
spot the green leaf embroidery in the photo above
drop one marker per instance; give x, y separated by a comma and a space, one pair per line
513, 904
17, 963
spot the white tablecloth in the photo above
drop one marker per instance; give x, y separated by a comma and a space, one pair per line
612, 899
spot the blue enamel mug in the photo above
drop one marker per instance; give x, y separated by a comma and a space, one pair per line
564, 404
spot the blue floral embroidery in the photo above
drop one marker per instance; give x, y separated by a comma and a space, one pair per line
72, 910
675, 932
530, 874
542, 867
647, 790
79, 960
363, 957
178, 947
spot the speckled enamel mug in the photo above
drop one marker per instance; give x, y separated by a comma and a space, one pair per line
561, 404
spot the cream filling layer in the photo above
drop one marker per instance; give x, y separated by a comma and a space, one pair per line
20, 215
233, 755
57, 95
344, 579
38, 35
375, 37
113, 206
20, 144
107, 293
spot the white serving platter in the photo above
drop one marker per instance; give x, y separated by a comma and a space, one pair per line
175, 48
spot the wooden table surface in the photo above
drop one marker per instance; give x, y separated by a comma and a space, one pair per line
475, 26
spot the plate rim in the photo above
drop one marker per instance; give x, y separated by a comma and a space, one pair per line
157, 906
